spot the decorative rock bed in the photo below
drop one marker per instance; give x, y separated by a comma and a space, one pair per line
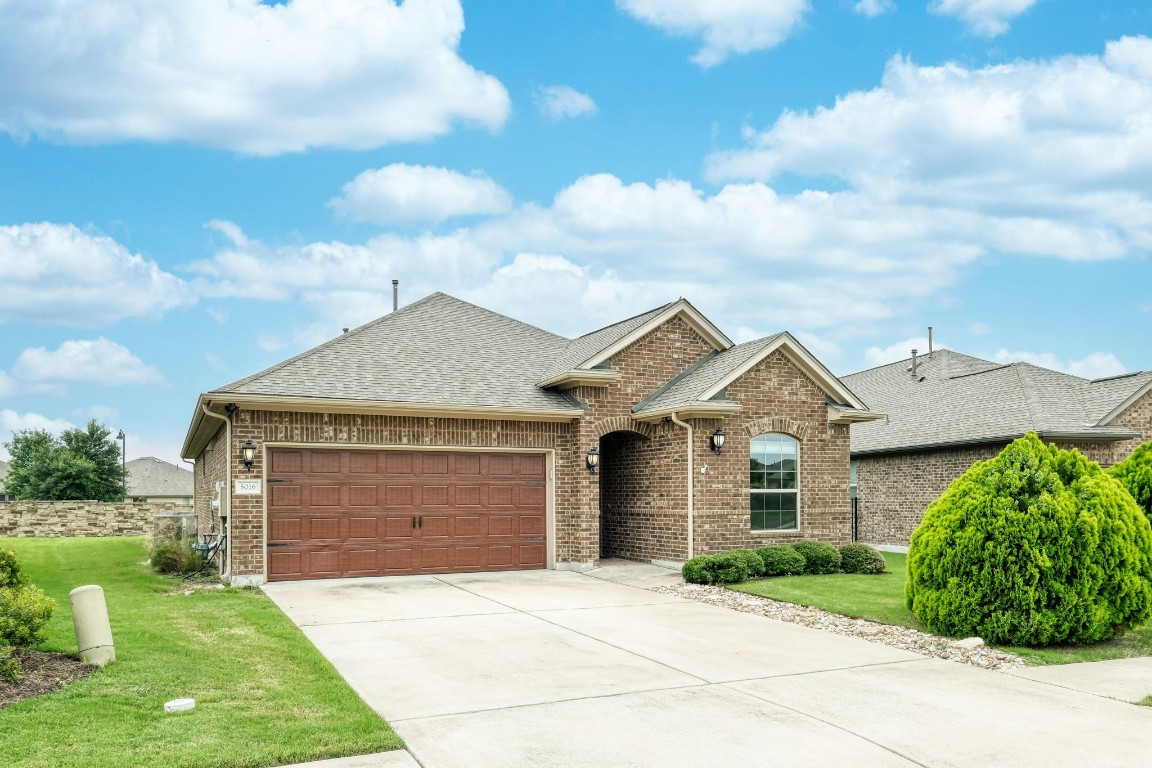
968, 651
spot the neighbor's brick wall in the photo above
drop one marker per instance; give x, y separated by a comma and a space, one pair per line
83, 518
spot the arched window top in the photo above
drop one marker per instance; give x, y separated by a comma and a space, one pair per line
774, 482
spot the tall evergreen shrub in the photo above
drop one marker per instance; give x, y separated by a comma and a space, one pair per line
1135, 474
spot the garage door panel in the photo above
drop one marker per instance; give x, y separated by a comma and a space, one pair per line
341, 512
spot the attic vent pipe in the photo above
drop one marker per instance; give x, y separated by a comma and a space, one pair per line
395, 295
915, 364
345, 330
929, 342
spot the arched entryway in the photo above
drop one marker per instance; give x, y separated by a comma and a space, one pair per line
626, 502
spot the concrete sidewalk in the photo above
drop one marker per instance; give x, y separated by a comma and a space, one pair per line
547, 668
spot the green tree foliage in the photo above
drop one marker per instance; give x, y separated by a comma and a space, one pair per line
81, 464
1135, 474
1037, 546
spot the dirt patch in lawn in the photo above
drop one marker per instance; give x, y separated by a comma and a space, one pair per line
43, 673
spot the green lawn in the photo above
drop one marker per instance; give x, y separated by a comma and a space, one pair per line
881, 598
264, 696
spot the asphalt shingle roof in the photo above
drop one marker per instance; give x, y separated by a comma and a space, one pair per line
959, 399
150, 476
690, 386
587, 346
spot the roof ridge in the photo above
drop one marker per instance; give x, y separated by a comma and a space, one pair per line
627, 319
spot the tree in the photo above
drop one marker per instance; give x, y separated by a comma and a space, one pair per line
81, 464
1135, 474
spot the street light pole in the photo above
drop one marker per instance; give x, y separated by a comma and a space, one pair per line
123, 450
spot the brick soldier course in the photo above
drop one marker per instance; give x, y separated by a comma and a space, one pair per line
444, 375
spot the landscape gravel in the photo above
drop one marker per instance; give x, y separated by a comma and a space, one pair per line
970, 651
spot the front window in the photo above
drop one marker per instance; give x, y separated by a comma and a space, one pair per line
775, 483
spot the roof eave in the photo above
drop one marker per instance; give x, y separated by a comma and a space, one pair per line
1115, 413
703, 410
1111, 437
443, 410
201, 429
581, 378
852, 416
702, 325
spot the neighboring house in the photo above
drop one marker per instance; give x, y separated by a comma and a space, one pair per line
152, 479
445, 437
3, 474
955, 410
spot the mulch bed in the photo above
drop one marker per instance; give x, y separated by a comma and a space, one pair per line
43, 673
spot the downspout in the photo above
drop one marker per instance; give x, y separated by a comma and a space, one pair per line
227, 482
691, 487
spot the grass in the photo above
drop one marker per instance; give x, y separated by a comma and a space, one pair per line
1146, 701
264, 695
881, 598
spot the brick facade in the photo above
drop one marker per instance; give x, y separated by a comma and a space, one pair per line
643, 480
894, 489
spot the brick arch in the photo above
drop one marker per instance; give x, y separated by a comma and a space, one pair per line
622, 424
778, 424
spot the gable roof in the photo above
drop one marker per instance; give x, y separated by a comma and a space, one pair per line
150, 476
957, 399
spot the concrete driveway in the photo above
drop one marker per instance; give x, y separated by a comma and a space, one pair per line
549, 668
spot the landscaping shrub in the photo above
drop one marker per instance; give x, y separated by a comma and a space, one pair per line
173, 556
781, 561
10, 573
24, 611
818, 556
750, 559
721, 568
861, 558
10, 668
1037, 546
1135, 474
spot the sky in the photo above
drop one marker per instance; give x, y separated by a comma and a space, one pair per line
193, 191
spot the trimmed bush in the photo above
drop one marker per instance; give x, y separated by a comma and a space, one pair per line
781, 561
861, 558
721, 568
24, 611
818, 557
750, 559
1135, 474
1037, 546
10, 668
10, 570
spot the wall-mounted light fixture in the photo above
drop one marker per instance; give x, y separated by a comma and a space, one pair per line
248, 453
592, 460
716, 441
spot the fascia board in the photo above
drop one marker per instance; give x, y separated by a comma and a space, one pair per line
695, 411
691, 315
1115, 413
337, 405
838, 416
581, 378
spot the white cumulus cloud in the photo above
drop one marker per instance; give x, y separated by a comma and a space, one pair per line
60, 274
726, 27
873, 8
557, 102
987, 18
92, 361
419, 194
12, 422
244, 75
1094, 366
901, 350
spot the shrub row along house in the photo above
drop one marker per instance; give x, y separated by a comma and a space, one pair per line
946, 411
445, 437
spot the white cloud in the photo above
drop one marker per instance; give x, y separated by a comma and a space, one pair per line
726, 26
244, 75
1047, 158
557, 102
57, 273
1095, 366
901, 350
979, 329
7, 385
873, 8
12, 422
92, 361
987, 18
406, 194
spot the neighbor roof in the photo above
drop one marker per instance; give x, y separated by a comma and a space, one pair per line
4, 466
150, 476
957, 399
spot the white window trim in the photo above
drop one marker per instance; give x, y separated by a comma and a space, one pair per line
796, 490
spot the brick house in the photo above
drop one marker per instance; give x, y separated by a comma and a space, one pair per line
954, 410
444, 437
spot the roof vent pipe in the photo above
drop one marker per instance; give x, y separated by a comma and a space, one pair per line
345, 330
929, 342
915, 364
395, 295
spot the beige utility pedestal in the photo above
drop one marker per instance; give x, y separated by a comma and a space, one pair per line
90, 617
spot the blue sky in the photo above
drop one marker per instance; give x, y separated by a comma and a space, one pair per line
190, 192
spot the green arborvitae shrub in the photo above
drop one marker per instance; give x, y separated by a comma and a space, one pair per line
24, 611
721, 568
861, 558
10, 573
818, 556
1135, 474
1037, 546
10, 667
781, 561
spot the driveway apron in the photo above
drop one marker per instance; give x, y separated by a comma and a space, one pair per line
551, 668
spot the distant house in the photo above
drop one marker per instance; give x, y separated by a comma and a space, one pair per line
152, 479
950, 410
3, 475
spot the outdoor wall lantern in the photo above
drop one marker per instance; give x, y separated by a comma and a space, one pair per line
717, 439
248, 452
592, 460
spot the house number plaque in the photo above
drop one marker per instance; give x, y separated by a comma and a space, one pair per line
247, 487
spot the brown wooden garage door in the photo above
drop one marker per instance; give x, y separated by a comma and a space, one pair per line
338, 513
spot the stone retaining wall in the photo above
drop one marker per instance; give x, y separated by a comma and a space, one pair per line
85, 518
